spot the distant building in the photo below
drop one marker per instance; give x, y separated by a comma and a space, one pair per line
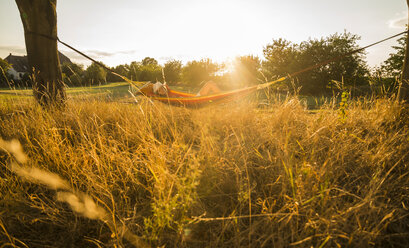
19, 65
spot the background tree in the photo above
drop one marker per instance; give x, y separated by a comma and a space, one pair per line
351, 69
72, 74
134, 70
39, 19
4, 78
146, 70
4, 65
121, 70
196, 72
70, 69
95, 74
280, 58
150, 70
149, 61
404, 89
392, 67
173, 71
246, 71
283, 58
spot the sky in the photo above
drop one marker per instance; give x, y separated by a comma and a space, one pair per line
121, 31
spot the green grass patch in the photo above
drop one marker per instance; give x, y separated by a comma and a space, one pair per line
114, 90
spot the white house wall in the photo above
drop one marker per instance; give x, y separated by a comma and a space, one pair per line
16, 75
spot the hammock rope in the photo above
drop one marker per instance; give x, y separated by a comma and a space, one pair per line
182, 98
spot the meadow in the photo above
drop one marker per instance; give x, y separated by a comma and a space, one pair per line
112, 90
113, 174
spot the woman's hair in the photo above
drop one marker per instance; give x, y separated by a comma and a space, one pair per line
159, 88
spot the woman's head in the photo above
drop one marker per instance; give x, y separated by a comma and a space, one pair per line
160, 89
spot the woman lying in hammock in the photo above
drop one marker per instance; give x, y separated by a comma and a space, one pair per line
159, 89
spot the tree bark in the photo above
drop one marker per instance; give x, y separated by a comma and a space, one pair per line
39, 19
404, 88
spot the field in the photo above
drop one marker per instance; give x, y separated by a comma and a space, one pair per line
112, 90
112, 174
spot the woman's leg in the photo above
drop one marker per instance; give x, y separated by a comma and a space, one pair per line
209, 88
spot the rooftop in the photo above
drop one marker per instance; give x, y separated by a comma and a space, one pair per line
20, 63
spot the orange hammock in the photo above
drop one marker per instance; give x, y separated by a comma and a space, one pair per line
179, 98
190, 100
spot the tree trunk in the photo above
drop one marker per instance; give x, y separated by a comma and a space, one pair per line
39, 19
404, 88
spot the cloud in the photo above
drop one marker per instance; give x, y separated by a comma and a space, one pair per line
71, 54
102, 54
95, 54
399, 22
18, 50
127, 52
166, 58
98, 53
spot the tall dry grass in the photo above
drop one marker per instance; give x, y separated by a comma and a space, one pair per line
225, 176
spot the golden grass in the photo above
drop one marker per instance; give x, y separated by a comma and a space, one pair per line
224, 176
